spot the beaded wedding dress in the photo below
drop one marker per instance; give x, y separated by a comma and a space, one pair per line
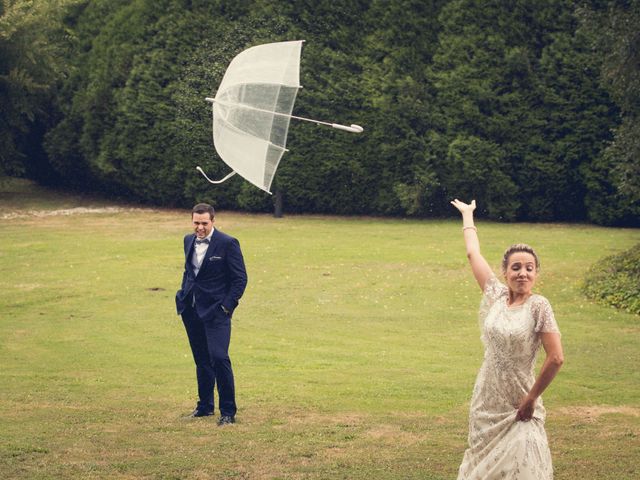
499, 446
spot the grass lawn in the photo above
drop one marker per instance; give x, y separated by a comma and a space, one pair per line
355, 347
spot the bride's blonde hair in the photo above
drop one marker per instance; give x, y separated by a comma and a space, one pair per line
518, 247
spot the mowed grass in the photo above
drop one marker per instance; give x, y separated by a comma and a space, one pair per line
355, 347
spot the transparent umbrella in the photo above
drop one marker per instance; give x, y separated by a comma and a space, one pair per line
252, 111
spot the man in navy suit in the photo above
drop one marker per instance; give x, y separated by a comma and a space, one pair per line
213, 281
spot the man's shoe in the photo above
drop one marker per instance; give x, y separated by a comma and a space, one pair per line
226, 420
200, 413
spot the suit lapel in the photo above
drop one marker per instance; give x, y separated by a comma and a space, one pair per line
189, 248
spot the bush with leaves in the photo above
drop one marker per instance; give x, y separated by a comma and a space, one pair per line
615, 280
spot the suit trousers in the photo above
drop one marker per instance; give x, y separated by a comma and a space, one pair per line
209, 340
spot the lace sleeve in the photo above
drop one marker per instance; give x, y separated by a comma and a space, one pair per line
543, 316
493, 290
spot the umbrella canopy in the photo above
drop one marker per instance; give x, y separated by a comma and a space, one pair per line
252, 110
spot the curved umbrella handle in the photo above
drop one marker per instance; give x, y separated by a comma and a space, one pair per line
215, 181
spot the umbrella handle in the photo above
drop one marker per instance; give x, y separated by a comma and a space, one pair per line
215, 181
353, 128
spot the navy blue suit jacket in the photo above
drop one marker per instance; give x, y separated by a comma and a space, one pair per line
220, 281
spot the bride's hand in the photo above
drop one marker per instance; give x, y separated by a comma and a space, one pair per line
464, 207
525, 409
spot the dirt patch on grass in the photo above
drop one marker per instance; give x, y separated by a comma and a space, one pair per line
394, 434
334, 420
69, 211
594, 412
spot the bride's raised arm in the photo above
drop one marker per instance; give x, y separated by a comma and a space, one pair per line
479, 266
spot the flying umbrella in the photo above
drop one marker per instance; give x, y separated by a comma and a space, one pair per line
252, 110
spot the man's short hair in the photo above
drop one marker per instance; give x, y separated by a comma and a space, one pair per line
204, 208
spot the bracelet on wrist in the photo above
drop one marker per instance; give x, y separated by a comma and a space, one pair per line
471, 227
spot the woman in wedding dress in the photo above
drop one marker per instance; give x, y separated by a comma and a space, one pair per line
507, 439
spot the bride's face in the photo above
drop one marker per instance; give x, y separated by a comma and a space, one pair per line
521, 272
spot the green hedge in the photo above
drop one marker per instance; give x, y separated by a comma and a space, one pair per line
458, 98
615, 280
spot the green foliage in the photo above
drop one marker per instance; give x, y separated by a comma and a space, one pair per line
457, 98
615, 280
33, 59
612, 30
515, 80
398, 94
475, 169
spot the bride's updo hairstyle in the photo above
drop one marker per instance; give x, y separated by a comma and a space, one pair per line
518, 247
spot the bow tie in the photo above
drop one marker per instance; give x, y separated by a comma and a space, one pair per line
204, 240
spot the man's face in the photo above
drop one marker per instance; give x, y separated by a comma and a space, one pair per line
202, 224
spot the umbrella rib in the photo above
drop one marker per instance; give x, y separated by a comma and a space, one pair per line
241, 105
239, 130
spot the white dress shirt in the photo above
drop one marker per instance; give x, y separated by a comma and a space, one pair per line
199, 252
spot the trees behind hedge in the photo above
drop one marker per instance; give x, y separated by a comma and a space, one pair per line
613, 29
33, 57
457, 98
